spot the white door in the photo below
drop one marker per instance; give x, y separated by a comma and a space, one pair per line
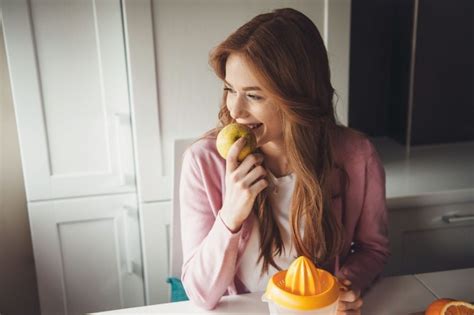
70, 92
89, 255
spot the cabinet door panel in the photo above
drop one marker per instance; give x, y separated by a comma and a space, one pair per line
70, 93
428, 239
87, 254
438, 249
88, 260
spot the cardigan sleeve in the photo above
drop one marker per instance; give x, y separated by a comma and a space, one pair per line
209, 247
371, 244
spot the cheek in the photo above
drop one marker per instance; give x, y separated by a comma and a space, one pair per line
275, 123
229, 102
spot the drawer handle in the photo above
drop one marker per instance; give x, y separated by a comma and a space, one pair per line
458, 218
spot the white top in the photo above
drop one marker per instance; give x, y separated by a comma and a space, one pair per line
281, 190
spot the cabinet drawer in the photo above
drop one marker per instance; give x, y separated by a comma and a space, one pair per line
428, 239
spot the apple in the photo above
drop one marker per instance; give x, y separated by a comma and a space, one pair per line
231, 133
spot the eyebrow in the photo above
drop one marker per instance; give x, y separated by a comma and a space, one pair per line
249, 88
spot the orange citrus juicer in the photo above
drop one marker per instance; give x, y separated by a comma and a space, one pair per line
303, 286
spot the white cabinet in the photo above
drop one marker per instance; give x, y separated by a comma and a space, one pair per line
87, 254
68, 71
432, 238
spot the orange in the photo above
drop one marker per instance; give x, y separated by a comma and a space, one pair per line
449, 307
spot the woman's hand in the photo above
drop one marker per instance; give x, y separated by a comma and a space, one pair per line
244, 182
349, 300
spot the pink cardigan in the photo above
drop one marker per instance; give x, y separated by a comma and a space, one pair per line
211, 253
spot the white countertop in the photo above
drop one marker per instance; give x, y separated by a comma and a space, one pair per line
409, 294
434, 174
445, 283
397, 295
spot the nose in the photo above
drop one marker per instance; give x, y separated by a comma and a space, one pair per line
236, 106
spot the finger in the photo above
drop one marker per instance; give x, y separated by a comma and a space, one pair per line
348, 312
232, 161
250, 162
345, 282
260, 185
343, 288
350, 306
255, 174
348, 296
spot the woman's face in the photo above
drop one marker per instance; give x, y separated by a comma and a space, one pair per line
249, 104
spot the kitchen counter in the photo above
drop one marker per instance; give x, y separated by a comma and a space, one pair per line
432, 175
409, 294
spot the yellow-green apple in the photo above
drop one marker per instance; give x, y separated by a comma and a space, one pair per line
231, 133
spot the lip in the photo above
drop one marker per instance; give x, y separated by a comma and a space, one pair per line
248, 123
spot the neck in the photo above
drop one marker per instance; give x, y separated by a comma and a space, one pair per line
275, 159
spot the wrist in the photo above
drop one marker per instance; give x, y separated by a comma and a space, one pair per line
231, 223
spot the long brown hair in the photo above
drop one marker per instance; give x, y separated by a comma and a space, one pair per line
287, 54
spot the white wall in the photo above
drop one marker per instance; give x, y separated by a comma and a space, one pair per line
18, 292
338, 46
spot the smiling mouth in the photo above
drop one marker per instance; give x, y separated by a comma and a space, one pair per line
254, 126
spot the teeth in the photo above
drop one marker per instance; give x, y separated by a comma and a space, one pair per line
253, 126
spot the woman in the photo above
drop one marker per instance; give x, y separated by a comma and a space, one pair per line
312, 188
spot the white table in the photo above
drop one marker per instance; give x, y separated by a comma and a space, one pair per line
409, 294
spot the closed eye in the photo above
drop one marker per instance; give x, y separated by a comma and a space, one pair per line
250, 96
254, 97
